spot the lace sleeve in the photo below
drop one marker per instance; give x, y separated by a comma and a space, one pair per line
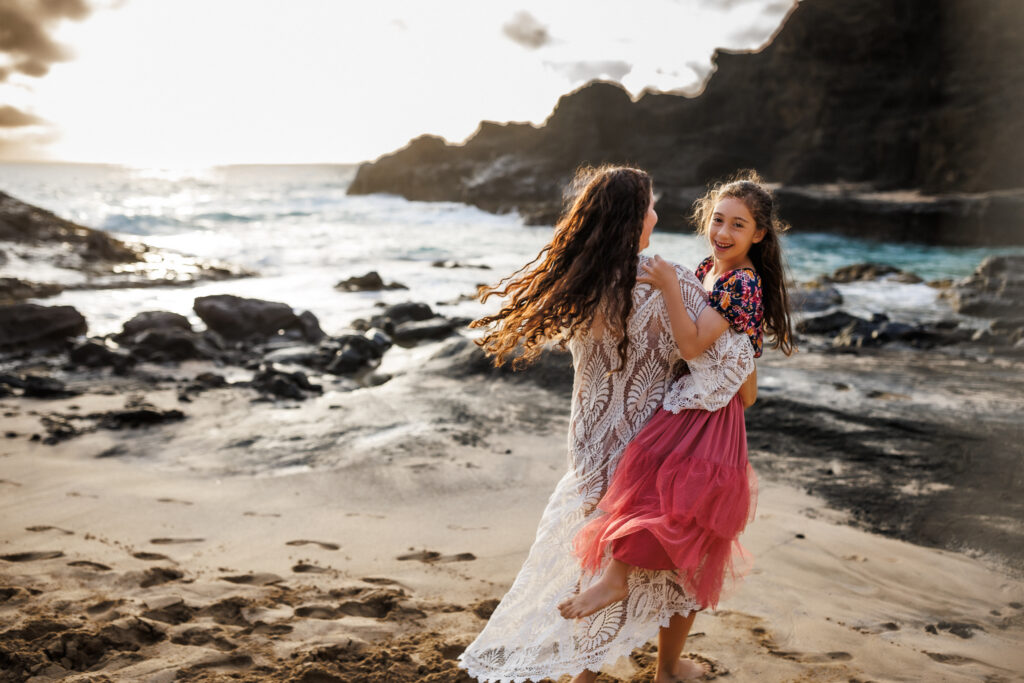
716, 375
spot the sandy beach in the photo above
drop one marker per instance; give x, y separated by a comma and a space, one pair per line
163, 553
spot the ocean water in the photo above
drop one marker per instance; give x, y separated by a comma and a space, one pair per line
296, 226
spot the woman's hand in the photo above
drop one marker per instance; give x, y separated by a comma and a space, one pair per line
658, 273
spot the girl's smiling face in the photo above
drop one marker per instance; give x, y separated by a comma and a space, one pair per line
732, 230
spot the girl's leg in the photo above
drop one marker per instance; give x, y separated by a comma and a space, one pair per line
612, 587
671, 640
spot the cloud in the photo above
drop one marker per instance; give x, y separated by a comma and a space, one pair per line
25, 34
13, 118
576, 72
523, 28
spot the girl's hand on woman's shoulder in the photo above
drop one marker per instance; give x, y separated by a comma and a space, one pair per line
659, 273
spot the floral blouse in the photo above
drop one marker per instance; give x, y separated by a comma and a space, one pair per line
737, 295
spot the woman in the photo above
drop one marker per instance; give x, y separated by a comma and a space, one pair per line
581, 290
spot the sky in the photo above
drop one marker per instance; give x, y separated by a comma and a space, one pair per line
200, 82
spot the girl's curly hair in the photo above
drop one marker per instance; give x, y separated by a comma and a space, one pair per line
589, 266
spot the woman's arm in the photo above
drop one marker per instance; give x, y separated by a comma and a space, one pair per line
693, 337
748, 391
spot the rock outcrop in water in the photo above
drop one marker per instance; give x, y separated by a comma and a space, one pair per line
85, 258
891, 122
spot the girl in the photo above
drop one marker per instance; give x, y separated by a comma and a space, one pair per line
582, 290
683, 491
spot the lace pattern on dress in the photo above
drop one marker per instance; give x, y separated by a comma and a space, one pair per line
526, 638
716, 375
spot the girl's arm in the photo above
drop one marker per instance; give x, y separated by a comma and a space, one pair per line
748, 391
693, 337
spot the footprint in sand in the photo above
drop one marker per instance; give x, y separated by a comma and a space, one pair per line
303, 568
171, 610
76, 494
155, 576
89, 565
174, 500
323, 544
32, 556
230, 662
432, 556
250, 513
261, 628
950, 659
318, 612
766, 641
150, 557
258, 579
204, 637
103, 606
8, 481
174, 541
228, 612
380, 581
43, 527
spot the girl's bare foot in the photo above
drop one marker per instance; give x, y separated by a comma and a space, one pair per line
610, 588
684, 669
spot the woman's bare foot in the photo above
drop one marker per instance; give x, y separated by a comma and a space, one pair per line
684, 669
610, 588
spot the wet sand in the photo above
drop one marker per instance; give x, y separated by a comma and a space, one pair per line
394, 517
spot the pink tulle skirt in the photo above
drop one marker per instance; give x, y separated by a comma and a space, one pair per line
679, 499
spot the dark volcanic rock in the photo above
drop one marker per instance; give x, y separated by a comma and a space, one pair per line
13, 290
995, 290
396, 314
814, 297
829, 324
235, 317
457, 264
271, 381
872, 271
852, 101
370, 282
21, 222
461, 357
38, 327
354, 352
170, 345
35, 386
95, 353
414, 331
138, 416
309, 326
105, 261
155, 320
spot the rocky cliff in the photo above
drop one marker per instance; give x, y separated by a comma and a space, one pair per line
894, 121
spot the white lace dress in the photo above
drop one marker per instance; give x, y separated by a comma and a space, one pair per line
526, 638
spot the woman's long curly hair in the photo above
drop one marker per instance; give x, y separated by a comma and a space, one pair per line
766, 255
589, 266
